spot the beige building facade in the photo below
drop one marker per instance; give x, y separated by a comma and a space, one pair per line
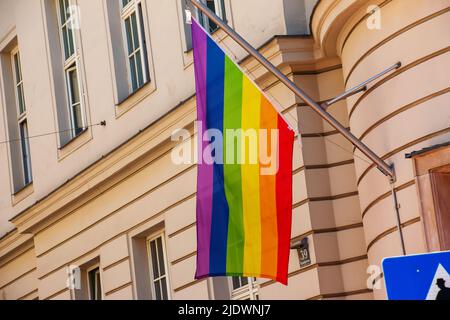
92, 205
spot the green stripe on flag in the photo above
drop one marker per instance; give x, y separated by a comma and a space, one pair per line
232, 167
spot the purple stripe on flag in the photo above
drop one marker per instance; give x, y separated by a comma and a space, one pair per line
205, 171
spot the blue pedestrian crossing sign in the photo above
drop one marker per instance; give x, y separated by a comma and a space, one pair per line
418, 277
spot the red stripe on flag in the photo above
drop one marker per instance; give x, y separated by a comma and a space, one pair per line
284, 198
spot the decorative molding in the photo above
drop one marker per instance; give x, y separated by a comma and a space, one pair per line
391, 37
110, 292
381, 5
179, 231
391, 230
402, 148
321, 134
18, 278
394, 75
335, 197
386, 195
114, 264
318, 71
403, 109
187, 285
25, 296
316, 266
120, 208
22, 244
340, 294
186, 257
330, 165
93, 250
327, 230
57, 294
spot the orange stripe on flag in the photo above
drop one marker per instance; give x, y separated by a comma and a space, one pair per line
269, 230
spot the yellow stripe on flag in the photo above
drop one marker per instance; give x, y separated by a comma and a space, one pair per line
251, 102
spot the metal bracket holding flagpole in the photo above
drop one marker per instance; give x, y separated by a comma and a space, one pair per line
385, 168
360, 87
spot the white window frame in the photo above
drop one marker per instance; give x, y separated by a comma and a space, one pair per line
246, 292
132, 7
15, 52
166, 275
22, 119
71, 63
88, 286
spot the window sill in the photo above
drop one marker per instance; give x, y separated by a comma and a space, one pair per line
75, 143
22, 194
134, 98
73, 139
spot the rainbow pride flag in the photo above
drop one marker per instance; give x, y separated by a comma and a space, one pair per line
243, 216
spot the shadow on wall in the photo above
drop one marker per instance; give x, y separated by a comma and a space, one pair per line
298, 15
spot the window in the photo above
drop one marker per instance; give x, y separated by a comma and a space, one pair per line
12, 93
244, 288
239, 282
135, 44
21, 118
94, 284
216, 6
71, 68
85, 280
158, 268
18, 82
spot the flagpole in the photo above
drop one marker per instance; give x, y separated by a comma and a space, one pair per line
381, 164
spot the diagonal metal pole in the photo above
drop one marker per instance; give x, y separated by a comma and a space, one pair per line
382, 166
398, 218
